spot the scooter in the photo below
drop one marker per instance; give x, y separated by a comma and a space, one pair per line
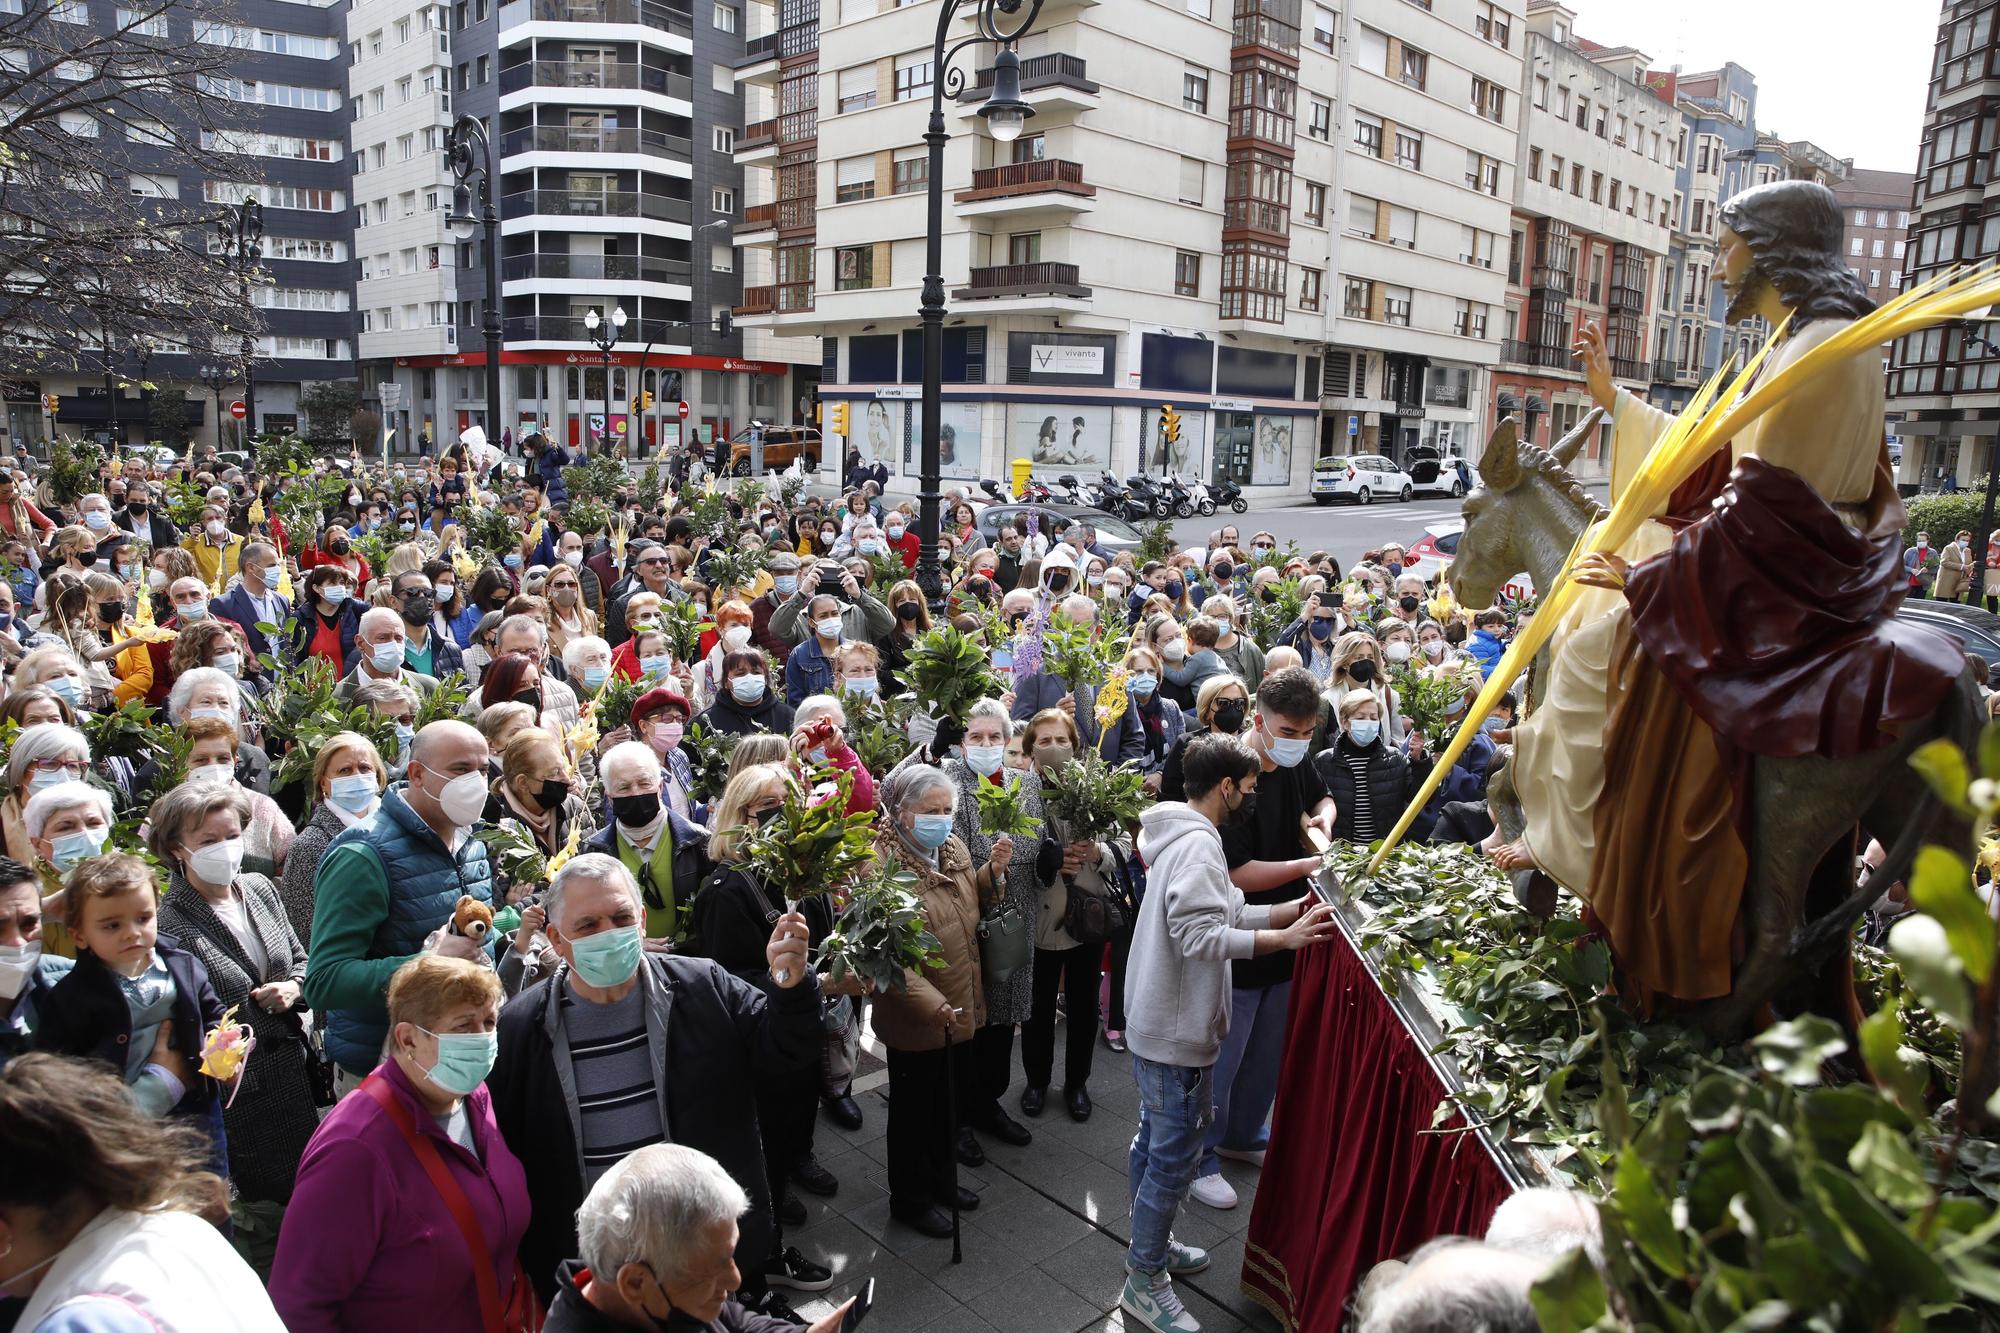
1146, 492
993, 491
1067, 492
1036, 492
1120, 501
1178, 497
1229, 493
1204, 503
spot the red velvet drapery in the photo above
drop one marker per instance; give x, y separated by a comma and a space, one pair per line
1351, 1176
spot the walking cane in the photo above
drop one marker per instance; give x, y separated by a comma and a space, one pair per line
951, 1132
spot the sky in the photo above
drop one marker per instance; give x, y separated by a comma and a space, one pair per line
1850, 75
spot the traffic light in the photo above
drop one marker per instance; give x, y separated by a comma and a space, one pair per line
837, 415
1170, 423
725, 323
51, 402
645, 400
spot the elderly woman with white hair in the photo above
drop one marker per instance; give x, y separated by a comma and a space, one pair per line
42, 756
55, 668
655, 1237
66, 823
586, 660
209, 692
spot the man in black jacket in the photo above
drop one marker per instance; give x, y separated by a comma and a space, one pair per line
622, 1048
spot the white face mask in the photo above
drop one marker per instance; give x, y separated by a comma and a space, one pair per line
218, 862
735, 636
211, 775
17, 964
463, 798
573, 559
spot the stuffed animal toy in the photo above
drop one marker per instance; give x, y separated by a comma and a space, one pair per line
472, 919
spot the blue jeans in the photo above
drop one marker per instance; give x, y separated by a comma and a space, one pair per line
1174, 1111
1246, 1072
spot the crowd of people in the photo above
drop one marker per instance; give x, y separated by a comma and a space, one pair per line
293, 983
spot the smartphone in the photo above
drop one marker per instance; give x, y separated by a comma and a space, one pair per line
859, 1310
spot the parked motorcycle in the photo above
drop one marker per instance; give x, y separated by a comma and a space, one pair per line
1147, 492
1121, 501
1198, 496
1067, 491
1229, 493
1178, 497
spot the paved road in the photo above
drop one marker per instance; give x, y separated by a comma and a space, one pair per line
1344, 530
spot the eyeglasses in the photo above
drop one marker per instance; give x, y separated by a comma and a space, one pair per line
415, 590
77, 767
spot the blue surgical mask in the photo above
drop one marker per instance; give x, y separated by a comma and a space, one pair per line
195, 610
229, 664
386, 656
353, 792
654, 666
130, 573
405, 733
1493, 724
334, 593
464, 1059
1142, 684
868, 546
931, 831
512, 559
786, 584
594, 676
984, 759
608, 958
68, 689
867, 685
1364, 730
39, 781
747, 689
69, 848
1286, 753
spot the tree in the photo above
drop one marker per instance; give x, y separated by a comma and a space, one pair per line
329, 406
89, 116
167, 419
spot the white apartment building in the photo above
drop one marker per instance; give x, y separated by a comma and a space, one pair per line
1141, 244
1408, 116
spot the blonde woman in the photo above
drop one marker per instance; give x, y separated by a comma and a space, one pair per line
569, 618
348, 779
1358, 664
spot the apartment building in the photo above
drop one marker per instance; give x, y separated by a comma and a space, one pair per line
1945, 381
1425, 100
292, 149
1590, 227
1143, 243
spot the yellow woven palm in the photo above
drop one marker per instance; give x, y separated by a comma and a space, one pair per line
1709, 419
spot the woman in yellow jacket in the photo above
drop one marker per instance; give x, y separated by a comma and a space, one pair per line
124, 643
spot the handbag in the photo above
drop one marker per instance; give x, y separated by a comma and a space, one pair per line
521, 1313
319, 1069
1004, 946
1091, 918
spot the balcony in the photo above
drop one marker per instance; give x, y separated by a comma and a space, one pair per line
757, 301
561, 139
595, 268
1552, 279
787, 298
1271, 24
758, 142
1048, 83
1626, 368
595, 204
1627, 298
1667, 371
644, 13
759, 62
1515, 352
1038, 280
1025, 187
564, 329
607, 75
759, 225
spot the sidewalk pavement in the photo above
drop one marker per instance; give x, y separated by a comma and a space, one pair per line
1045, 1250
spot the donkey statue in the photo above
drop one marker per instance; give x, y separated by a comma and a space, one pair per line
1527, 513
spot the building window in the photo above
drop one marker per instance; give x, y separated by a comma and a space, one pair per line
1315, 210
1368, 133
1596, 187
853, 179
1876, 251
1534, 164
1024, 247
1187, 273
1325, 25
1192, 180
1854, 246
913, 76
1363, 217
856, 88
1476, 247
912, 170
1409, 149
1493, 23
722, 200
1194, 89
723, 138
1482, 173
853, 268
1469, 320
1320, 125
1541, 92
1402, 227
1309, 288
1396, 306
1357, 298
1416, 68
1874, 277
723, 17
1489, 100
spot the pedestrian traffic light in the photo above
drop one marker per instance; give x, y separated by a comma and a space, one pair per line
51, 402
837, 414
1170, 423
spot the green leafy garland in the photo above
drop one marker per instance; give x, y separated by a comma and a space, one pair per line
812, 845
1081, 654
949, 672
1002, 810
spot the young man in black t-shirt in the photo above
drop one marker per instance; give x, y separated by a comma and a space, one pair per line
1269, 860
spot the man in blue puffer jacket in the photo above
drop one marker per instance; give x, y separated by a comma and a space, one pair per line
388, 883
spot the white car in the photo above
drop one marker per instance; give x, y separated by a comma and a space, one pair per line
1361, 478
1431, 555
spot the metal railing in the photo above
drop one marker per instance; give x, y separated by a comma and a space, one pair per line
595, 204
759, 49
560, 328
595, 268
1515, 351
641, 12
617, 75
562, 139
1064, 71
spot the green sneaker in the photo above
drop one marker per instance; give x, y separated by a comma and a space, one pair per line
1185, 1259
1150, 1299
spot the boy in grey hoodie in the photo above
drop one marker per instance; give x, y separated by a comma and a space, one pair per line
1192, 923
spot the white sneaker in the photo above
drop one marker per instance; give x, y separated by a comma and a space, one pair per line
1214, 1191
1254, 1156
1150, 1298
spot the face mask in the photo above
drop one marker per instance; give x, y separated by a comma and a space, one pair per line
512, 560
1174, 589
1397, 652
130, 573
1364, 731
1054, 755
194, 610
18, 962
1057, 584
464, 1059
68, 689
532, 697
353, 792
1245, 811
931, 831
869, 546
417, 610
333, 594
608, 958
1493, 724
386, 656
1362, 671
137, 508
1095, 580
594, 676
1408, 603
1142, 685
218, 862
736, 636
1434, 649
786, 584
1321, 629
1175, 650
463, 798
157, 580
1229, 716
551, 793
338, 546
445, 592
655, 666
211, 775
828, 627
574, 559
828, 535
907, 612
215, 528
747, 689
867, 685
65, 851
110, 612
985, 758
97, 520
404, 735
210, 710
1286, 753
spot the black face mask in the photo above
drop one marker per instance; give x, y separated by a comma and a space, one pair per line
637, 810
1363, 670
1058, 584
136, 508
1409, 603
1245, 811
531, 697
417, 610
1229, 716
111, 612
908, 611
1223, 570
551, 793
764, 817
338, 546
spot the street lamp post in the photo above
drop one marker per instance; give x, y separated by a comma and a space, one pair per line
604, 336
142, 351
998, 22
466, 134
214, 377
242, 240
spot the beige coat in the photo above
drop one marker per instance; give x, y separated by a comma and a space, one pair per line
907, 1020
1094, 879
1953, 566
